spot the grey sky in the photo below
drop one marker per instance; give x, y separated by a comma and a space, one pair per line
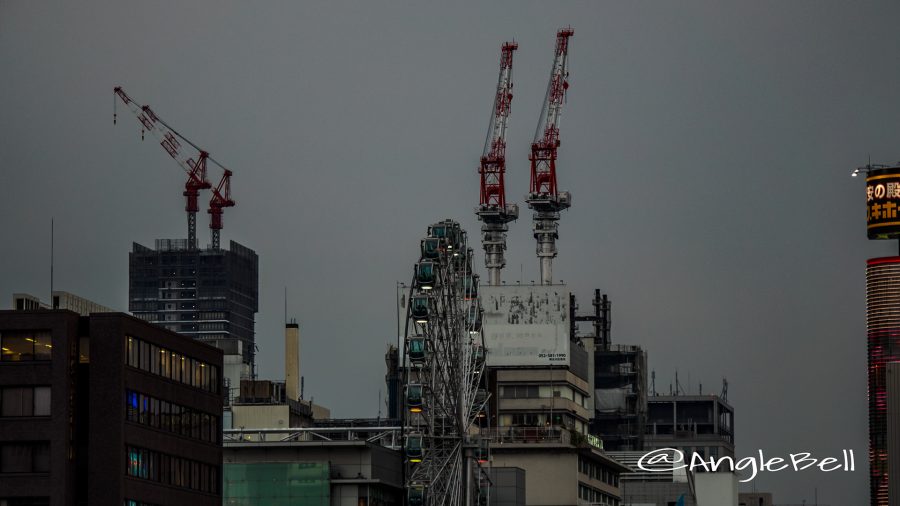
707, 147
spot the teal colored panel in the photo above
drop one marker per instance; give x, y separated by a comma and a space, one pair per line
276, 484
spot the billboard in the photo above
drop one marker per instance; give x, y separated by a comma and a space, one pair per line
526, 325
882, 203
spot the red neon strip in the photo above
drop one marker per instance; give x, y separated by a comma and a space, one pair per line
883, 260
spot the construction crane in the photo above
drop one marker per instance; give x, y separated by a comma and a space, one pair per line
221, 199
544, 198
493, 210
192, 159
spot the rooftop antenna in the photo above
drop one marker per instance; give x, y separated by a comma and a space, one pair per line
724, 389
285, 305
51, 263
379, 404
653, 383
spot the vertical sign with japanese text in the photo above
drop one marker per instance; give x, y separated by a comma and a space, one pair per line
883, 203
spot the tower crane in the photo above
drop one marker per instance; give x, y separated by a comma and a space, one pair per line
544, 198
192, 159
493, 211
221, 199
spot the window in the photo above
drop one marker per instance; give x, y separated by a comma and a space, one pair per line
170, 417
25, 457
22, 346
17, 401
41, 401
166, 363
25, 501
170, 470
24, 401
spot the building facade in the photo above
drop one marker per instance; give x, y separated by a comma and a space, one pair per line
883, 332
59, 300
558, 469
323, 466
619, 395
211, 295
106, 409
701, 424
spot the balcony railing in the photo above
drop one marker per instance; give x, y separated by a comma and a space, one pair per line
501, 435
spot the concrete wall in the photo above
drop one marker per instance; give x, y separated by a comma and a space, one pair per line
551, 479
716, 489
508, 486
260, 416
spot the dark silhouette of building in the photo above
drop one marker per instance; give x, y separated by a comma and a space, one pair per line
211, 295
106, 409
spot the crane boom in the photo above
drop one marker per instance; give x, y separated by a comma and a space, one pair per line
546, 136
190, 157
493, 159
493, 210
544, 197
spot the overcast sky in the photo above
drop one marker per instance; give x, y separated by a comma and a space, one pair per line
707, 147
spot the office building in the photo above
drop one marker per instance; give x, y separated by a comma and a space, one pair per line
321, 466
620, 396
106, 409
208, 294
656, 484
702, 424
59, 300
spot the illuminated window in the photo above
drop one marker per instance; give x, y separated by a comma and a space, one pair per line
19, 346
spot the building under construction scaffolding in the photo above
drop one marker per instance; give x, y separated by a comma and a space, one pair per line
208, 294
619, 379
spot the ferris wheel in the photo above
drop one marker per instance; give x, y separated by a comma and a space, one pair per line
444, 360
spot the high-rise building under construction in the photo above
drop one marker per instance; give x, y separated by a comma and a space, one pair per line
208, 294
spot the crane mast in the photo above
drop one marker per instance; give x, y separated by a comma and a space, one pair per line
493, 211
544, 198
181, 150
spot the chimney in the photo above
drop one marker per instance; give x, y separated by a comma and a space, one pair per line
292, 360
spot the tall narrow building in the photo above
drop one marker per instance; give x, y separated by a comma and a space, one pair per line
882, 321
207, 294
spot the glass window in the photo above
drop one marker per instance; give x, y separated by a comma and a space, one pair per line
204, 376
185, 373
154, 359
42, 346
16, 347
41, 458
17, 401
154, 412
145, 355
41, 401
198, 374
213, 379
131, 406
15, 458
84, 350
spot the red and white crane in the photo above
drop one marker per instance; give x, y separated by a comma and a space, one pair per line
192, 159
544, 197
493, 210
